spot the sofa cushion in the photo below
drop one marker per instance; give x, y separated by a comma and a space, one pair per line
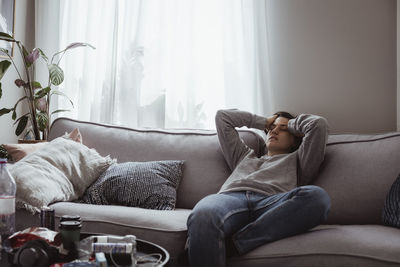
149, 185
357, 173
163, 227
329, 246
60, 171
18, 151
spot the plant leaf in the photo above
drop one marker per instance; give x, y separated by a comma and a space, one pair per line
42, 120
78, 44
36, 85
43, 55
41, 104
56, 74
6, 37
3, 67
1, 91
26, 114
4, 111
55, 92
21, 125
42, 92
33, 56
60, 110
14, 115
19, 82
19, 100
24, 51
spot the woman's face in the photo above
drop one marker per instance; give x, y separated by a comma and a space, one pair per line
279, 139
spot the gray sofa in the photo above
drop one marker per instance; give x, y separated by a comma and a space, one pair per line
357, 172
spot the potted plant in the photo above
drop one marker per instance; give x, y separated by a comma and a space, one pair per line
36, 97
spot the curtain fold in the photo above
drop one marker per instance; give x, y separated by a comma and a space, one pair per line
164, 64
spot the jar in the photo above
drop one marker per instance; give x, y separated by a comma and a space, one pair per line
70, 233
70, 218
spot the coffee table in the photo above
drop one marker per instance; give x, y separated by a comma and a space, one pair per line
145, 251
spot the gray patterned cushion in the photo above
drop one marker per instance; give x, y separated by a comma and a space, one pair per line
150, 185
391, 208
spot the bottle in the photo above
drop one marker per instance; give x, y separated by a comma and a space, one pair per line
7, 201
92, 244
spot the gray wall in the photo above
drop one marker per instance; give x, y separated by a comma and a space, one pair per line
336, 58
24, 31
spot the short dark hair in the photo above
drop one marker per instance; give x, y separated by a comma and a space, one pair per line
284, 114
297, 139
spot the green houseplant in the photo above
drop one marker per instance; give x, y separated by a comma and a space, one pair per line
37, 97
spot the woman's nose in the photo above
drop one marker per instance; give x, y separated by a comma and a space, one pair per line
275, 130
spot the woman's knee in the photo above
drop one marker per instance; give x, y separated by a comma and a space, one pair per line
319, 198
204, 214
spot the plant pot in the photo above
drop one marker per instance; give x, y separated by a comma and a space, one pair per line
31, 141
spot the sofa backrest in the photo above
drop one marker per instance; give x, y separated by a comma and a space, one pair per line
205, 169
357, 173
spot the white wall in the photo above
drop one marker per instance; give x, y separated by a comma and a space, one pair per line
336, 58
24, 31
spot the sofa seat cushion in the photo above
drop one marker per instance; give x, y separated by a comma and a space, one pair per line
329, 245
166, 228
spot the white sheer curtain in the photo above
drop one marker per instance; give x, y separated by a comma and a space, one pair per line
161, 63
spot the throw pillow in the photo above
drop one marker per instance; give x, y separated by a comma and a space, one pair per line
18, 151
59, 171
391, 208
75, 135
150, 185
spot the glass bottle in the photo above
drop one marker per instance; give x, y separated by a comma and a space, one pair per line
7, 201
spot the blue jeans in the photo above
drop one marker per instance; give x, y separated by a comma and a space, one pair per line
248, 220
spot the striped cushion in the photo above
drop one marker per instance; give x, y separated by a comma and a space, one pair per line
150, 185
391, 209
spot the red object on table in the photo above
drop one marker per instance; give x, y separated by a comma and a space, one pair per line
33, 233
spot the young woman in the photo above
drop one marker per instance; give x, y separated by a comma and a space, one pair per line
264, 199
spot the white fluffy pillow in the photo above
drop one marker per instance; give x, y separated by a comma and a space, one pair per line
60, 171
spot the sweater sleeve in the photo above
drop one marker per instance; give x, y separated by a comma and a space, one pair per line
233, 148
312, 149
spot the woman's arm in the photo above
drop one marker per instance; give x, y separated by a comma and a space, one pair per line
233, 148
312, 149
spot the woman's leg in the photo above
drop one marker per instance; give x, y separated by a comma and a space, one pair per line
292, 213
213, 219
